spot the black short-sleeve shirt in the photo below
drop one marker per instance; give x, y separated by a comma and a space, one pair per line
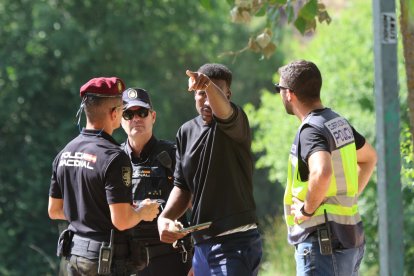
91, 172
215, 164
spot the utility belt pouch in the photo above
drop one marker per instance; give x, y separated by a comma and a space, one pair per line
139, 253
325, 238
105, 256
64, 243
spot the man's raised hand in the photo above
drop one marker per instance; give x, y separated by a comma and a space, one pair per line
197, 81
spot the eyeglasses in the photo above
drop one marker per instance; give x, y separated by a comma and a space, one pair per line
130, 114
278, 88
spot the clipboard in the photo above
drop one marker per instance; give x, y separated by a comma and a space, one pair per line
194, 228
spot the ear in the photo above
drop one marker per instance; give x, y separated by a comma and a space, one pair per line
113, 114
228, 94
290, 95
154, 116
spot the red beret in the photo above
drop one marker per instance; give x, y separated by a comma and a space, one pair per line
103, 87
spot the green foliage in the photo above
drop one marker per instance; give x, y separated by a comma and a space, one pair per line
306, 17
278, 254
309, 10
275, 12
274, 131
407, 170
410, 8
408, 201
48, 49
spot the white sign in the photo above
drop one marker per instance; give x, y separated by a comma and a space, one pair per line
341, 131
388, 28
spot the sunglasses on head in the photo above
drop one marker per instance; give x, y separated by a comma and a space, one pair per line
130, 114
278, 88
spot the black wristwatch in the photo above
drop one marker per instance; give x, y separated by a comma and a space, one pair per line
302, 210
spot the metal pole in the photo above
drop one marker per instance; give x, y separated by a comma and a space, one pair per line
388, 146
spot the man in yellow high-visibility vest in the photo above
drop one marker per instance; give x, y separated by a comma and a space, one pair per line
330, 164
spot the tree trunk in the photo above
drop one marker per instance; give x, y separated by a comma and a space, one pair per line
407, 31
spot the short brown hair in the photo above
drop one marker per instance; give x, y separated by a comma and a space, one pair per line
303, 78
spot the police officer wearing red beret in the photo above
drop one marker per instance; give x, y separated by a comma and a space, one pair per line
153, 163
91, 187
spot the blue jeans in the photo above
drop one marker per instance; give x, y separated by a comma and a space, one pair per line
342, 262
237, 254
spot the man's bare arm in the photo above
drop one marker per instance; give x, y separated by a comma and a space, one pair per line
178, 202
320, 172
55, 208
366, 160
124, 216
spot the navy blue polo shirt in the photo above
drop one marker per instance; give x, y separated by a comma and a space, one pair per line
91, 172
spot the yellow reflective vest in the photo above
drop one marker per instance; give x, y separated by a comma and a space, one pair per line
341, 199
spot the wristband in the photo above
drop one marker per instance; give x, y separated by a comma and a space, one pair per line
303, 212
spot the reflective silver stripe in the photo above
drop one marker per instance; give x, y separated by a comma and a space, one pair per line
339, 173
342, 200
294, 162
287, 209
318, 220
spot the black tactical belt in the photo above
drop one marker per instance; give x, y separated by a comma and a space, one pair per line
89, 248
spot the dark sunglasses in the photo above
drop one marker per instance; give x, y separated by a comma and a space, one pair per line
130, 114
278, 88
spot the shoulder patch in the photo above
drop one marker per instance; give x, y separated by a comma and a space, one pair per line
340, 130
127, 176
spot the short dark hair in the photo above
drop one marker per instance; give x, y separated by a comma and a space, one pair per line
217, 71
96, 107
303, 78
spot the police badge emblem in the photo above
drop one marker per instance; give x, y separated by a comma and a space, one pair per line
119, 86
132, 93
126, 176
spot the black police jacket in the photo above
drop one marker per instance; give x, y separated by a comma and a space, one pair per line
152, 178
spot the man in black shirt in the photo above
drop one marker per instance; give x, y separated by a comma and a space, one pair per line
91, 183
329, 165
214, 173
153, 163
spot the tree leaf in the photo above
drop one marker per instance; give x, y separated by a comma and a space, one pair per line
253, 46
309, 10
206, 4
310, 25
261, 11
269, 50
324, 16
300, 24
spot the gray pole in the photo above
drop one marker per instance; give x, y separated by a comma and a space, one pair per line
388, 132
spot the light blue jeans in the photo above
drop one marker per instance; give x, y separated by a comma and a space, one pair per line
237, 254
342, 262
